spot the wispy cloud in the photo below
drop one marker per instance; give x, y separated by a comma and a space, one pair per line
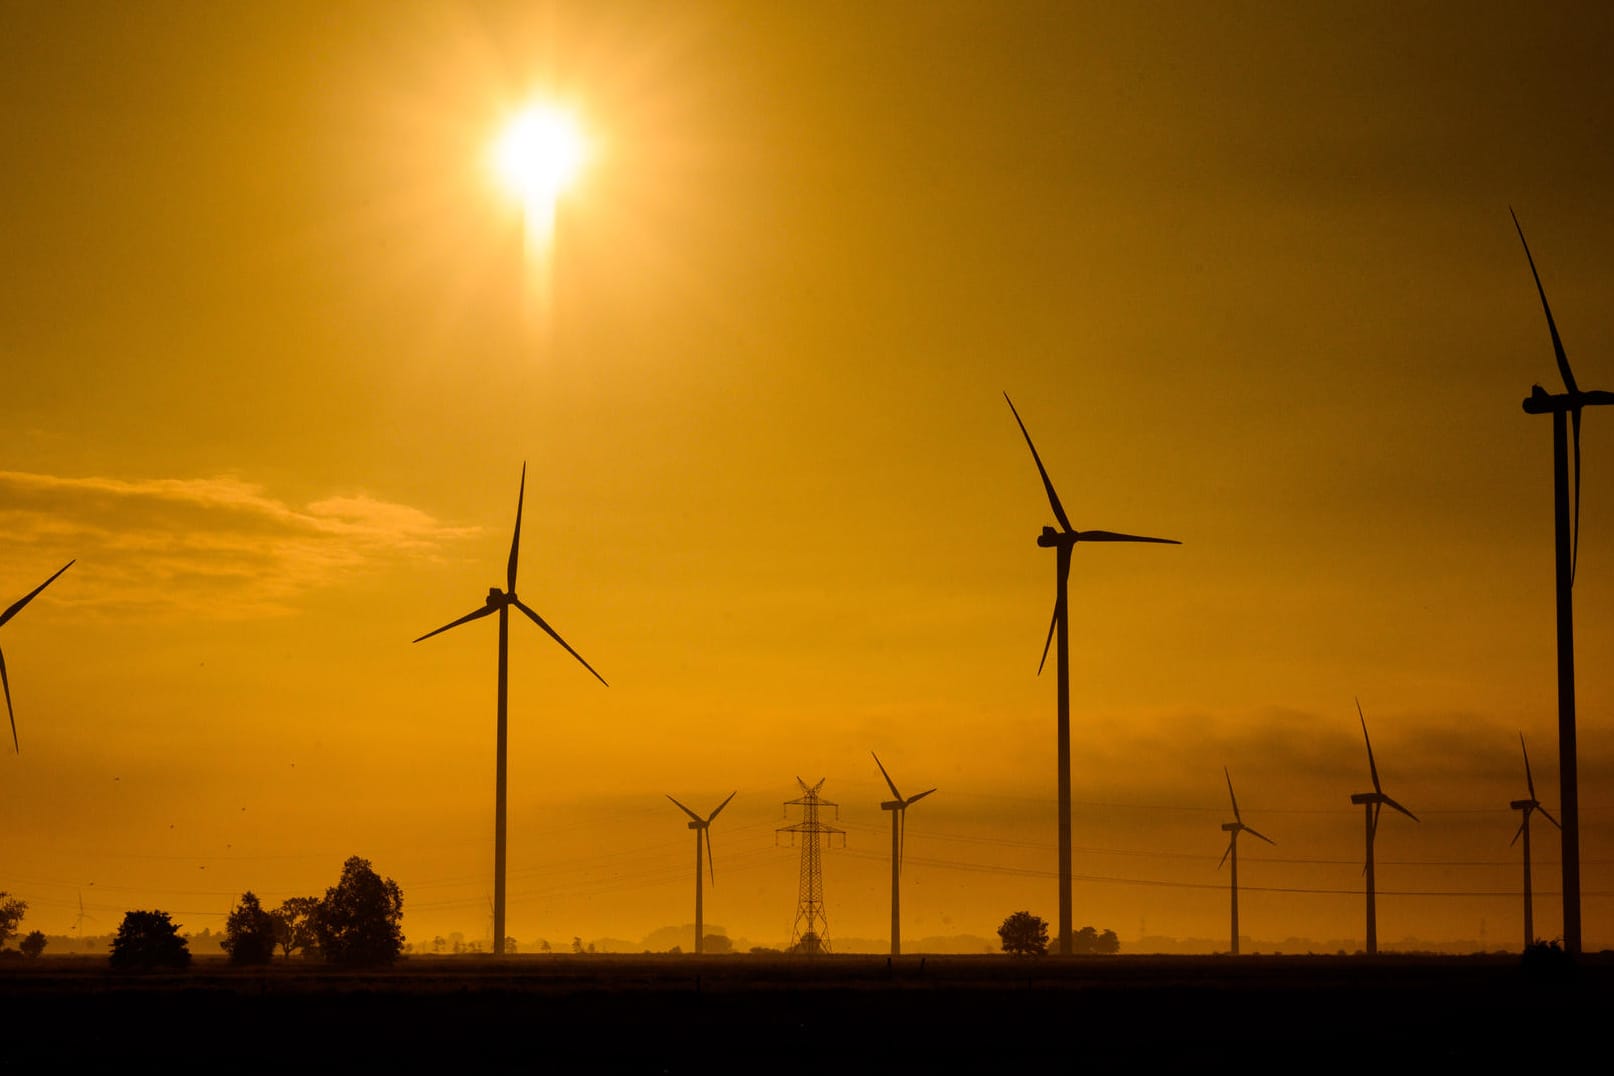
221, 546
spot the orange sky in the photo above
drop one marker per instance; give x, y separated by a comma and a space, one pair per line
1246, 270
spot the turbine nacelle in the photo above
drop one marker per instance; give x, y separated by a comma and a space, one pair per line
1525, 805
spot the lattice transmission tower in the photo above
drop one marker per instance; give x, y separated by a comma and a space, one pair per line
810, 934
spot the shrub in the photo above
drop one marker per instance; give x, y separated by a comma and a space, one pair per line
148, 940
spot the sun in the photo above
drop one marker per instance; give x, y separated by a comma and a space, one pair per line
540, 154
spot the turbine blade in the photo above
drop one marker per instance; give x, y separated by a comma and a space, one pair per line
711, 868
916, 799
1552, 326
1529, 781
17, 605
720, 806
1377, 807
1229, 850
902, 836
6, 682
1574, 542
1263, 836
553, 634
486, 610
1371, 765
686, 810
1388, 802
1519, 832
1052, 624
1112, 536
515, 541
1549, 818
1047, 483
892, 784
1232, 797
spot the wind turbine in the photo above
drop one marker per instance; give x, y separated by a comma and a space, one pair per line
1372, 803
702, 827
899, 829
1234, 828
5, 681
500, 601
1526, 806
1062, 542
1567, 545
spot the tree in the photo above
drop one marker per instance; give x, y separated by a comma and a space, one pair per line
147, 940
294, 925
249, 932
1024, 934
1109, 943
32, 945
11, 912
717, 943
360, 920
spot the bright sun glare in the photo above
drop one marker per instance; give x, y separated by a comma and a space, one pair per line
540, 154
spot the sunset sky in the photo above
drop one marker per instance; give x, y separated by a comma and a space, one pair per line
276, 350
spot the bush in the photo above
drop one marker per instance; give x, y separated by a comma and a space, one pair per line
32, 945
148, 940
1024, 934
249, 932
360, 920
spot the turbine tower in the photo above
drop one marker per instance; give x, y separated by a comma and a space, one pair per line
810, 933
701, 826
1371, 803
1566, 525
899, 828
499, 601
1063, 541
5, 681
1526, 806
1234, 828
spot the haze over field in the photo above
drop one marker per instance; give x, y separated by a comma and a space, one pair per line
277, 347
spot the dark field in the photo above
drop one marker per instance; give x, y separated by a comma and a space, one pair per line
766, 1015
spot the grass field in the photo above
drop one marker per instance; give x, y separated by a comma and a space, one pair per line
839, 1013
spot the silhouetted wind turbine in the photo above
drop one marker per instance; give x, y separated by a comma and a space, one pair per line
1527, 806
1371, 803
16, 607
1062, 542
500, 601
1567, 544
702, 827
1234, 828
899, 831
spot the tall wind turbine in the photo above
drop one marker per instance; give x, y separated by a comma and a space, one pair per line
1062, 542
701, 826
1371, 803
1526, 806
1567, 544
1234, 828
499, 601
899, 829
16, 607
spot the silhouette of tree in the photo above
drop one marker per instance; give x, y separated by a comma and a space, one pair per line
360, 920
1085, 941
249, 932
1109, 943
147, 940
717, 943
1024, 934
11, 912
32, 945
577, 944
509, 945
294, 925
